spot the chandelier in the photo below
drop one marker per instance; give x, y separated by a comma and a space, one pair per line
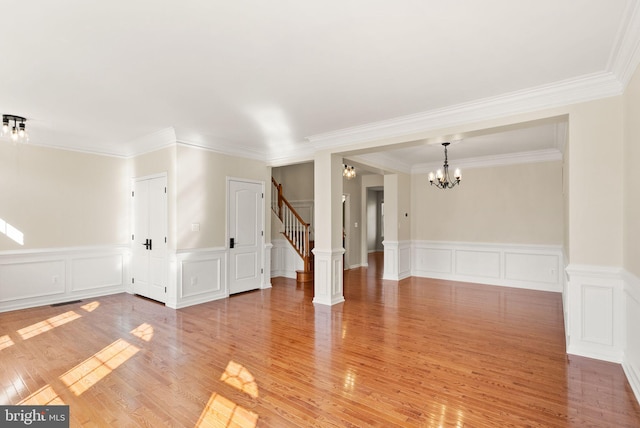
441, 178
348, 172
19, 129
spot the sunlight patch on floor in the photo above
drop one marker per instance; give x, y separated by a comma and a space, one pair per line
48, 324
42, 397
239, 377
143, 331
5, 342
90, 307
222, 412
92, 370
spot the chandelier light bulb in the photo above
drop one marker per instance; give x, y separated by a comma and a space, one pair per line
14, 134
441, 178
22, 132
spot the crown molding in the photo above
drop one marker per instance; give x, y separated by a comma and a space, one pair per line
150, 142
547, 155
558, 94
228, 149
383, 161
625, 55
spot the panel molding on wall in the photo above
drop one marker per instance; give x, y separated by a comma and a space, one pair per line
595, 310
397, 260
631, 359
201, 276
536, 267
284, 259
42, 277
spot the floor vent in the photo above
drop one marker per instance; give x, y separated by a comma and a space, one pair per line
65, 303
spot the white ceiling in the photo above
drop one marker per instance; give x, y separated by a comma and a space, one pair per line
274, 79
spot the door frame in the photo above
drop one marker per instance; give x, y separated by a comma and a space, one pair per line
227, 236
129, 286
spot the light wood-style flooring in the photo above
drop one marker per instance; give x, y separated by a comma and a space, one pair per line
418, 352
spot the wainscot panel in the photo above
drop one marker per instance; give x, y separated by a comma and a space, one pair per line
201, 276
41, 277
522, 266
595, 308
397, 260
284, 259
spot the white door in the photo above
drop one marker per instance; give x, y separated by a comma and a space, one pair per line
150, 238
246, 207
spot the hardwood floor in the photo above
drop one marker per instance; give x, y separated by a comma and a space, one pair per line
417, 352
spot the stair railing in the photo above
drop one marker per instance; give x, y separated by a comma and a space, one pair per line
296, 230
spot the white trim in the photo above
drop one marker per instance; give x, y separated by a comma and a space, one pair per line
31, 278
226, 149
328, 276
625, 55
557, 94
536, 267
631, 361
397, 260
595, 310
200, 276
547, 155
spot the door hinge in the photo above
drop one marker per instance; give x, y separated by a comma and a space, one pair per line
133, 280
165, 239
262, 232
132, 237
263, 196
261, 270
165, 190
165, 289
132, 193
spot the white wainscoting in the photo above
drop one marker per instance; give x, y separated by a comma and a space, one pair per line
397, 260
631, 361
42, 277
201, 276
537, 267
284, 259
595, 312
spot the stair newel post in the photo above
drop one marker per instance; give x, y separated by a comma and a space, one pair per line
307, 255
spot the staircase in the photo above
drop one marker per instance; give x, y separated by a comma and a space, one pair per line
296, 231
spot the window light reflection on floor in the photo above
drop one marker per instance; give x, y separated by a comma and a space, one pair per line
222, 412
239, 377
90, 307
42, 397
5, 342
143, 331
48, 324
92, 370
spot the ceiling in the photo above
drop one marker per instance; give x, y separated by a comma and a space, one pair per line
276, 80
